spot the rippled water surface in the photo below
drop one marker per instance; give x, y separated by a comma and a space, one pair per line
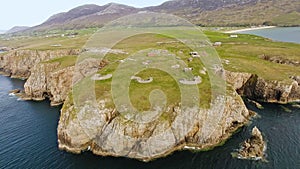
28, 140
289, 34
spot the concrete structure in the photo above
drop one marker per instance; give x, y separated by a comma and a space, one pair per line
196, 80
188, 69
140, 80
176, 66
100, 77
194, 54
218, 44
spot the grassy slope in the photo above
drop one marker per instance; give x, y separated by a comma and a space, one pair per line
64, 62
161, 81
243, 53
257, 14
46, 40
290, 19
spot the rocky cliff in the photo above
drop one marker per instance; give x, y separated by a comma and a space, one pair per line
46, 81
18, 63
50, 80
253, 148
283, 92
105, 132
259, 89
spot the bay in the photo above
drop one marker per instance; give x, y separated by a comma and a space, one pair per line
283, 34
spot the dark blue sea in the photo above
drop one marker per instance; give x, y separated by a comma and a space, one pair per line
28, 139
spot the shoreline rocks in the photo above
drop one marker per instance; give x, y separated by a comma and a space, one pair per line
19, 63
116, 136
260, 90
15, 91
46, 81
253, 148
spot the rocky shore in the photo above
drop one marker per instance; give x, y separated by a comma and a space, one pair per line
117, 136
271, 91
19, 63
253, 148
44, 80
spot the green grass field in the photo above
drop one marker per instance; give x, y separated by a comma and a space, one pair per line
243, 53
47, 41
64, 62
139, 93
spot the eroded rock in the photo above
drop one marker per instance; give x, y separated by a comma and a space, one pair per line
253, 148
18, 63
259, 89
107, 133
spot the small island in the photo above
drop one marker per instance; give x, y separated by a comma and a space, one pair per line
253, 148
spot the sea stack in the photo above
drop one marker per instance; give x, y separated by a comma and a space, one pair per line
254, 147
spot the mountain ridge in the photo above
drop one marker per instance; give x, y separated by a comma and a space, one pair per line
17, 29
200, 12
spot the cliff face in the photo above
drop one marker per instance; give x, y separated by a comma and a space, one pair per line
19, 63
259, 89
253, 148
105, 132
50, 80
46, 81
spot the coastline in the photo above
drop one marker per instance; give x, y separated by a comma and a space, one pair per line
250, 29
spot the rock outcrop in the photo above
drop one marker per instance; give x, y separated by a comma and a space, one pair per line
253, 148
237, 79
18, 63
106, 132
46, 81
280, 60
282, 92
259, 89
49, 80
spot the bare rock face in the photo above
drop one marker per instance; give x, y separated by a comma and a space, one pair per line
259, 89
106, 132
271, 91
253, 148
20, 62
46, 81
237, 79
49, 80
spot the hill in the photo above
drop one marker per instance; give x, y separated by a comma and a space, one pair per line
85, 16
17, 29
201, 12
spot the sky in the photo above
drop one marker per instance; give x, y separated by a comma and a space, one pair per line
34, 12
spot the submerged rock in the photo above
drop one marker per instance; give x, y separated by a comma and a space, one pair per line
15, 91
256, 104
253, 148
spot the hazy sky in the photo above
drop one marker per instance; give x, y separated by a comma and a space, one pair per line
34, 12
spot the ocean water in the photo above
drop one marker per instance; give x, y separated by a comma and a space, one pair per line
284, 34
28, 140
